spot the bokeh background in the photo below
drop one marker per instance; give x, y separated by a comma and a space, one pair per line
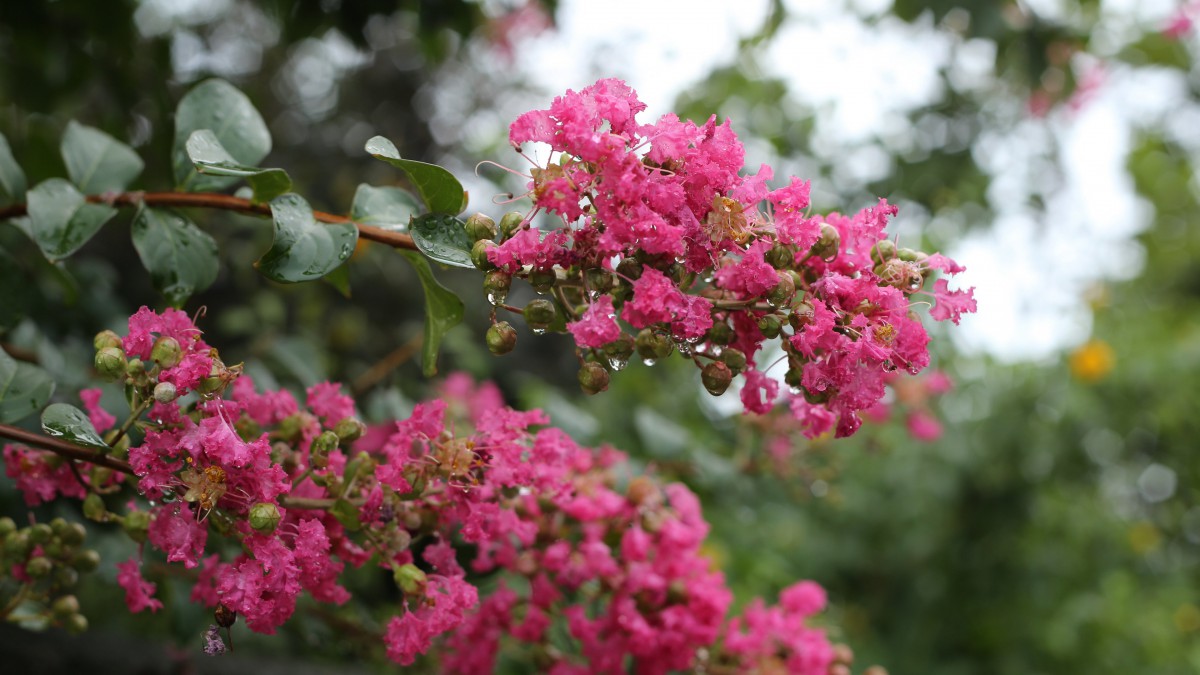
1052, 527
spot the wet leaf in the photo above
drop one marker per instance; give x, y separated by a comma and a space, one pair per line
68, 423
218, 106
443, 238
181, 258
97, 162
437, 187
24, 389
60, 220
443, 311
304, 249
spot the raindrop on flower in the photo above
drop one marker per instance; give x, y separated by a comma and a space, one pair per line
538, 331
497, 297
617, 363
649, 362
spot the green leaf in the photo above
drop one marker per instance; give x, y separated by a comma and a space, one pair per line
15, 298
24, 388
12, 178
339, 278
388, 207
304, 249
438, 188
219, 106
443, 238
97, 162
211, 158
181, 258
346, 514
65, 421
60, 220
443, 311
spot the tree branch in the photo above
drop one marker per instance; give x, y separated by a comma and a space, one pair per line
213, 200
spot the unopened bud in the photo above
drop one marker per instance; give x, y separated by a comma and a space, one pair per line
539, 313
76, 623
72, 534
479, 226
166, 352
94, 509
165, 392
716, 377
86, 561
39, 567
510, 222
350, 429
7, 527
264, 516
135, 368
410, 579
479, 254
322, 445
883, 251
829, 243
629, 268
65, 606
599, 280
106, 339
135, 524
720, 334
620, 349
735, 359
783, 291
593, 378
780, 256
909, 255
496, 284
110, 363
501, 338
542, 280
770, 325
653, 346
793, 377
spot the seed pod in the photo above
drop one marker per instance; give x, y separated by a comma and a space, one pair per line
593, 378
501, 338
629, 268
716, 377
65, 606
76, 623
322, 445
479, 226
350, 429
39, 567
496, 284
86, 561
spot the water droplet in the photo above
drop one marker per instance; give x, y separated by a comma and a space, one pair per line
593, 294
617, 363
497, 297
715, 350
796, 390
346, 249
538, 331
649, 362
685, 348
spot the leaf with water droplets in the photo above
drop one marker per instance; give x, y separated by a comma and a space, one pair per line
443, 311
211, 158
384, 206
24, 388
304, 249
443, 238
66, 422
437, 187
12, 178
60, 220
181, 258
220, 107
97, 162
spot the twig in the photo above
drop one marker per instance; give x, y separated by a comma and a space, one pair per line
64, 448
387, 364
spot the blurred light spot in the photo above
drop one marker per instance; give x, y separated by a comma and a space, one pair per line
1144, 537
1187, 618
1092, 361
1103, 446
1157, 483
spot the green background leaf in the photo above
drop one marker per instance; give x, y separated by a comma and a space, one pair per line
443, 311
443, 238
60, 220
181, 258
24, 388
12, 178
384, 206
438, 188
304, 249
219, 106
65, 421
211, 158
97, 162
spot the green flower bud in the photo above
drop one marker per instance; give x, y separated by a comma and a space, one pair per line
629, 268
783, 291
479, 226
135, 368
86, 561
72, 534
7, 527
39, 567
539, 314
65, 606
883, 251
720, 334
94, 509
479, 254
165, 392
501, 337
793, 377
76, 623
322, 445
593, 378
264, 516
106, 339
135, 524
653, 346
770, 325
621, 348
350, 429
829, 243
66, 577
210, 385
735, 359
410, 579
909, 255
542, 280
496, 284
510, 222
166, 352
780, 256
17, 545
599, 280
716, 377
40, 533
110, 363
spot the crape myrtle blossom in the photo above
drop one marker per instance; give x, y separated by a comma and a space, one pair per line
268, 497
664, 229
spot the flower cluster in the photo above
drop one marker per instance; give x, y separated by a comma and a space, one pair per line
463, 487
664, 247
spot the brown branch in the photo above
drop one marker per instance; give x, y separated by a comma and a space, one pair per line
372, 376
212, 200
63, 448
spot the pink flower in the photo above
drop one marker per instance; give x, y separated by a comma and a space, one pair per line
596, 327
759, 392
655, 298
327, 401
138, 592
174, 528
100, 419
951, 304
804, 598
923, 426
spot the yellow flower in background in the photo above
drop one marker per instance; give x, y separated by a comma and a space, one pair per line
1092, 361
